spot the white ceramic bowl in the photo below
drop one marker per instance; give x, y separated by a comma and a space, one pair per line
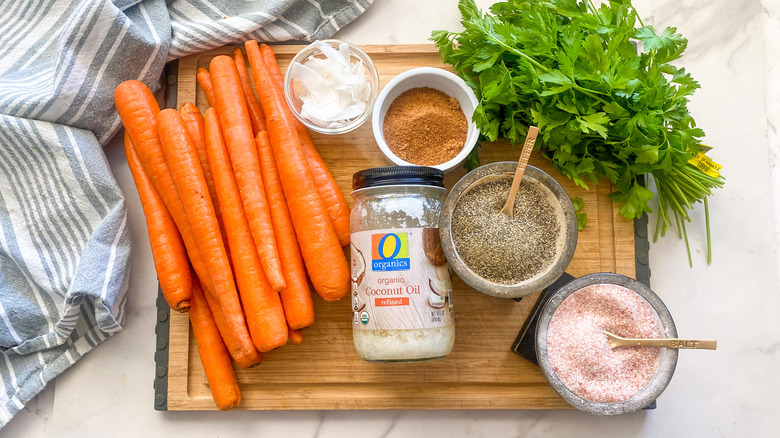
430, 77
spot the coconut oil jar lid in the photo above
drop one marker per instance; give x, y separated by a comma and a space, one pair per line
397, 176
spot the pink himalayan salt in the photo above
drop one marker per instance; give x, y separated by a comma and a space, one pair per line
580, 353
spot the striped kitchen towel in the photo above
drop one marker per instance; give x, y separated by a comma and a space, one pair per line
64, 238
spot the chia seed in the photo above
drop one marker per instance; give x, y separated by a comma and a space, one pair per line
501, 249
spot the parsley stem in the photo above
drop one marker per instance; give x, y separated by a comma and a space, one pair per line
661, 225
691, 190
514, 50
685, 175
681, 196
658, 223
589, 92
681, 224
677, 208
707, 222
594, 11
677, 221
638, 17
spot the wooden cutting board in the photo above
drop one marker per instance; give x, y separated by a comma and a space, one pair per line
326, 372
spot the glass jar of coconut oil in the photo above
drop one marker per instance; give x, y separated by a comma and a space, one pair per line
401, 285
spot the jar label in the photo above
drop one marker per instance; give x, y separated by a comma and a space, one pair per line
400, 280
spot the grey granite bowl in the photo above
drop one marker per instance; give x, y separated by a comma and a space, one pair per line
484, 285
666, 365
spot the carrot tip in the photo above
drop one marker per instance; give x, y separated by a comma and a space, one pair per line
296, 337
182, 307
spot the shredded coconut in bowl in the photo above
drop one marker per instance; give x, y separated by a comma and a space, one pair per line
335, 88
580, 354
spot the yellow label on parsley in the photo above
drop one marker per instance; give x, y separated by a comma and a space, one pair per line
705, 164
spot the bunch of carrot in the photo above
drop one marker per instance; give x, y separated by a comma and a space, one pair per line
241, 210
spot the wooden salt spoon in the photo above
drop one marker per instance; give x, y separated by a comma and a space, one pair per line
530, 139
616, 341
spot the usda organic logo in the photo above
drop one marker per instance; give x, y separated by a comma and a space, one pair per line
364, 318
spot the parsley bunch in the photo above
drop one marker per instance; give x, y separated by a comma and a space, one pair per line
606, 105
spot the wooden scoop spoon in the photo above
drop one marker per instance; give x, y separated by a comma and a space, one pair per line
616, 341
528, 146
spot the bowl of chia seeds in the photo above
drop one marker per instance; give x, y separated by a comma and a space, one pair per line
502, 256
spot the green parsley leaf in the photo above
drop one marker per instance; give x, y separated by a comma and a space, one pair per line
582, 220
601, 87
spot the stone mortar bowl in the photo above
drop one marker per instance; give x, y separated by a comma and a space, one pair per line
534, 284
666, 365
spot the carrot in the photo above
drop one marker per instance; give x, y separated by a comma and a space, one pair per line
237, 130
168, 252
263, 308
196, 127
296, 297
296, 337
204, 80
213, 354
193, 119
253, 105
328, 189
248, 360
193, 191
138, 110
269, 59
325, 261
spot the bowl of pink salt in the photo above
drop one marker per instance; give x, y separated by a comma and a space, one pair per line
576, 357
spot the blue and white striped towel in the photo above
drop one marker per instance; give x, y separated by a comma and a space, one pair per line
64, 239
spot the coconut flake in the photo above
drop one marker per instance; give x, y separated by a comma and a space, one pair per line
335, 90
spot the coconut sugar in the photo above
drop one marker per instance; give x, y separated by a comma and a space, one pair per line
425, 126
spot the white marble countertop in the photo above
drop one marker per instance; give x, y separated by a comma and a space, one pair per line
733, 53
